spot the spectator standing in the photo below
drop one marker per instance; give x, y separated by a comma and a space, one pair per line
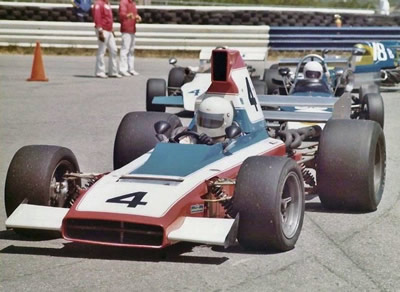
103, 21
81, 8
384, 7
128, 17
338, 20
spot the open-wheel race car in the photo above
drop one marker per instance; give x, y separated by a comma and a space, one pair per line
373, 64
185, 84
249, 185
312, 77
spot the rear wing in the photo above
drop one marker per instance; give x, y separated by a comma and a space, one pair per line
330, 61
170, 101
305, 108
247, 54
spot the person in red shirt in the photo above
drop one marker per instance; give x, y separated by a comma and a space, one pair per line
103, 21
128, 17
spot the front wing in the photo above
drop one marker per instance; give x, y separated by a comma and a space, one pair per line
215, 231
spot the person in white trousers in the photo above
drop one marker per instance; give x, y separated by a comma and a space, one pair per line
128, 17
103, 19
384, 7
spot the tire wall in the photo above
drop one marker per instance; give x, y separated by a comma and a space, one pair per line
191, 16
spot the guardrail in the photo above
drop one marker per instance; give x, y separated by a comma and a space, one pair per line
318, 38
193, 37
148, 36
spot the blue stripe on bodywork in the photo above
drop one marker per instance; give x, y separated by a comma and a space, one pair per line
176, 159
173, 100
179, 159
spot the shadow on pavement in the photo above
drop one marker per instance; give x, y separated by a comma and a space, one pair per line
85, 76
318, 208
75, 250
238, 249
40, 236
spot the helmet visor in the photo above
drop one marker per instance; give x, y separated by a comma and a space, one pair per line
210, 121
313, 74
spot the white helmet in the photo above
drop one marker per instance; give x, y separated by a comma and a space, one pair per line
214, 115
313, 70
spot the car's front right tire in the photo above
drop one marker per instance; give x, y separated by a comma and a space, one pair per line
269, 197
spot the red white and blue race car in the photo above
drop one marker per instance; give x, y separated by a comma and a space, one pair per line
185, 84
250, 187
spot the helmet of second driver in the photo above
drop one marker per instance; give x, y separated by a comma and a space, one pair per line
313, 70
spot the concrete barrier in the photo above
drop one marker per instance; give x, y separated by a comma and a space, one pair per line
148, 36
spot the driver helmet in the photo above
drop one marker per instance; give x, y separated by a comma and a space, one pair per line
214, 115
313, 70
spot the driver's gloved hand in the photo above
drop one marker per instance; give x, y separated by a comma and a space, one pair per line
205, 139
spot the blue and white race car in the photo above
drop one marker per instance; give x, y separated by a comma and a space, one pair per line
367, 104
372, 63
381, 59
250, 186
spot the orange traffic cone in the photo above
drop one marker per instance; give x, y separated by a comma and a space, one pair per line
37, 66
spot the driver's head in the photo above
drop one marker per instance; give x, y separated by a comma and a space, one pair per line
214, 115
313, 70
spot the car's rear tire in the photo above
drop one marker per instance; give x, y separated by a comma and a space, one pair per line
393, 77
271, 87
372, 108
367, 89
259, 85
176, 78
33, 174
155, 87
351, 165
136, 135
267, 220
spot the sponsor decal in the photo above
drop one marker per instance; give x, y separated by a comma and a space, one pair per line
198, 208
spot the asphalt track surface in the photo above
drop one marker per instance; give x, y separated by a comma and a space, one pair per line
335, 251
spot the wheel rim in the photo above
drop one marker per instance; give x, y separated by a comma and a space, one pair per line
291, 205
378, 171
364, 112
60, 188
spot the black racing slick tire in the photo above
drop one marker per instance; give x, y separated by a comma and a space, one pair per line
393, 77
351, 165
372, 108
274, 66
33, 176
259, 85
136, 135
269, 198
367, 89
269, 76
176, 78
155, 87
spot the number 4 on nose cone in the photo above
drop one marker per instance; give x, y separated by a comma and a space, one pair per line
136, 199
